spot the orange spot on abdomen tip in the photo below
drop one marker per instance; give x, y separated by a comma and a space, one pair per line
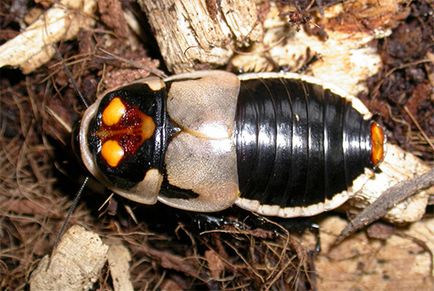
377, 143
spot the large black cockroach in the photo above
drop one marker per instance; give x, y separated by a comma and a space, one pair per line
278, 144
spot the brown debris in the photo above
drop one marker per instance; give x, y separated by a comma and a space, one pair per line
215, 264
27, 207
380, 230
138, 69
405, 82
360, 263
113, 16
367, 15
171, 285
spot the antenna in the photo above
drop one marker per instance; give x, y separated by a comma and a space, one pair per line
86, 179
70, 211
70, 77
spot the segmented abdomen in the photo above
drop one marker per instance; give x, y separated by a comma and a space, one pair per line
297, 143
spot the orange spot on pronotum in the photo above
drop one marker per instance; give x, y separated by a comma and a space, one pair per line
112, 153
114, 111
148, 127
377, 143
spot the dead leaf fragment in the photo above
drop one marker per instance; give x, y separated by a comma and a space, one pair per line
34, 46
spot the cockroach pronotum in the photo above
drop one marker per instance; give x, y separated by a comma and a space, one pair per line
278, 144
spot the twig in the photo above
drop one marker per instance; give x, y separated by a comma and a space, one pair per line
387, 200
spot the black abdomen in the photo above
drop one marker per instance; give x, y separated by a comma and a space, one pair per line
297, 143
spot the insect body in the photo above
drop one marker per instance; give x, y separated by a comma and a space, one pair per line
277, 144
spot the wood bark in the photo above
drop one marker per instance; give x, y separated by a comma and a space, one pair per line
193, 33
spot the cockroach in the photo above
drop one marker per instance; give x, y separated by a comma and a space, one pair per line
279, 144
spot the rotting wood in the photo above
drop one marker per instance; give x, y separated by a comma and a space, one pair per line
403, 261
118, 260
193, 33
75, 263
34, 46
387, 200
398, 166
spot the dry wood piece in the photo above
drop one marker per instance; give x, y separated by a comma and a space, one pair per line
335, 47
34, 46
75, 263
398, 166
401, 262
193, 32
205, 34
118, 259
387, 200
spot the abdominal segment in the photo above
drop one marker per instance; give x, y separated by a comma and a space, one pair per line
297, 143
